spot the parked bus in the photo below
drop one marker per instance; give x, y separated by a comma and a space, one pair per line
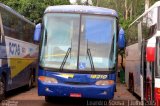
18, 53
78, 52
140, 65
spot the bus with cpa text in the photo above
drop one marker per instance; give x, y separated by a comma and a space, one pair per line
78, 52
142, 56
18, 53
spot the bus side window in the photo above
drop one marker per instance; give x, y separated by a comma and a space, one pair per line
9, 23
139, 35
152, 30
148, 29
28, 32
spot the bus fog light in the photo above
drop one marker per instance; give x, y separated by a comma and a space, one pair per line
48, 79
104, 93
48, 90
104, 82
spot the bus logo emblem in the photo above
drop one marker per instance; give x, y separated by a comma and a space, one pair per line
82, 65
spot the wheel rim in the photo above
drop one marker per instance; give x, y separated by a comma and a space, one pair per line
31, 81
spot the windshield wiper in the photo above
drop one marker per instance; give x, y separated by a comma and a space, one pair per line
90, 59
65, 58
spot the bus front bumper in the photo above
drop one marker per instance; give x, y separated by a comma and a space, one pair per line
83, 91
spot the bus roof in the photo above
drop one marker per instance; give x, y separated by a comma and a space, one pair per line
148, 10
9, 9
81, 9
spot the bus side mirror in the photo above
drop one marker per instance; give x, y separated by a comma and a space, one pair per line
121, 39
37, 32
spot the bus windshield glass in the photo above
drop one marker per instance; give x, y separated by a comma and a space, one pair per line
77, 41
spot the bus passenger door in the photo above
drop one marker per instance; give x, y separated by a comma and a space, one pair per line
142, 48
157, 72
143, 70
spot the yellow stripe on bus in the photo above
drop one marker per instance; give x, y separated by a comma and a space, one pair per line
54, 55
19, 64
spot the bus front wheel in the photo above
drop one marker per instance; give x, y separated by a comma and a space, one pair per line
48, 98
2, 88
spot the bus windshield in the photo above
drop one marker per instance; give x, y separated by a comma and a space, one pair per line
80, 40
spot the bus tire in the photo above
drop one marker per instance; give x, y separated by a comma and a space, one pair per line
132, 86
2, 88
48, 99
107, 102
31, 82
148, 90
131, 83
115, 90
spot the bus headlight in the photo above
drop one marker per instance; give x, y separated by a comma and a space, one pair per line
105, 82
48, 79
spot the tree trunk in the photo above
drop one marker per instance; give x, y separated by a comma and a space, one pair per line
126, 10
115, 2
131, 10
146, 4
97, 3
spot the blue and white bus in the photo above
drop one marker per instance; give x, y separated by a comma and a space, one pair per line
18, 53
78, 52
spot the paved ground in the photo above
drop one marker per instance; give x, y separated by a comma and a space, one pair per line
26, 95
122, 93
21, 97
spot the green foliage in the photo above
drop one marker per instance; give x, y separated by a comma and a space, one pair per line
134, 9
33, 9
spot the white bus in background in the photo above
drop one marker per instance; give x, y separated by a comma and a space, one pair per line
140, 54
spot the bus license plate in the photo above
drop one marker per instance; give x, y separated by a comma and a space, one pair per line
78, 95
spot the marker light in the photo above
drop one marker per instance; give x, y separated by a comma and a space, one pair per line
105, 82
48, 79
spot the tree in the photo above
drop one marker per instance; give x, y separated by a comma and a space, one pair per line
128, 10
33, 9
146, 4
